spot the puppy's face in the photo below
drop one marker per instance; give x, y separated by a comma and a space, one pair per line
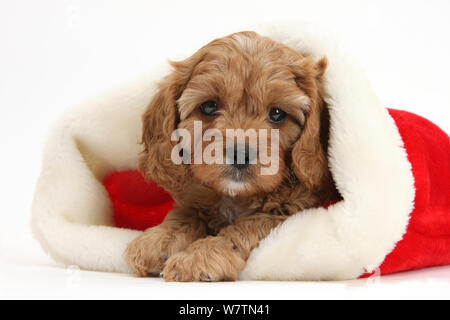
250, 83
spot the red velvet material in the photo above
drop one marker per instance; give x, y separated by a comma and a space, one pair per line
140, 205
137, 204
427, 240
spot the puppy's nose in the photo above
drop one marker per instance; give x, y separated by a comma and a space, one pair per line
242, 157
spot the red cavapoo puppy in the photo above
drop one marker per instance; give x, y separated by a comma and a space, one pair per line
242, 81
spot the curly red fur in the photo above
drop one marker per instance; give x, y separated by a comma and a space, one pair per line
247, 74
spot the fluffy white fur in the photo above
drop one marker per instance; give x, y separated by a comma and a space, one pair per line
71, 213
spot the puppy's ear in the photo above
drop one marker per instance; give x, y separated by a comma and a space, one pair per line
319, 68
159, 121
309, 159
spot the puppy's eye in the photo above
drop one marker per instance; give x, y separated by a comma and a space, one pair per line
276, 115
209, 108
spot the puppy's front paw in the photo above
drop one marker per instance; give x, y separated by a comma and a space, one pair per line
147, 253
209, 259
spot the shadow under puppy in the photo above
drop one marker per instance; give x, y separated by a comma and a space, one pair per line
242, 81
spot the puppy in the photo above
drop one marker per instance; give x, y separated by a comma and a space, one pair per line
242, 81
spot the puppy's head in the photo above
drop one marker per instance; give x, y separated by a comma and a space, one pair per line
248, 112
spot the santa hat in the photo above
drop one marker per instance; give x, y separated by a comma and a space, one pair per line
391, 167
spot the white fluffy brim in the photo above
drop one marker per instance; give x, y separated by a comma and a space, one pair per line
72, 214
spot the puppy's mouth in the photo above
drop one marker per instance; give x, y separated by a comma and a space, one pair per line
233, 188
238, 172
235, 181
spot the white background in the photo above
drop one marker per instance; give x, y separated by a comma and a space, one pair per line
54, 54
